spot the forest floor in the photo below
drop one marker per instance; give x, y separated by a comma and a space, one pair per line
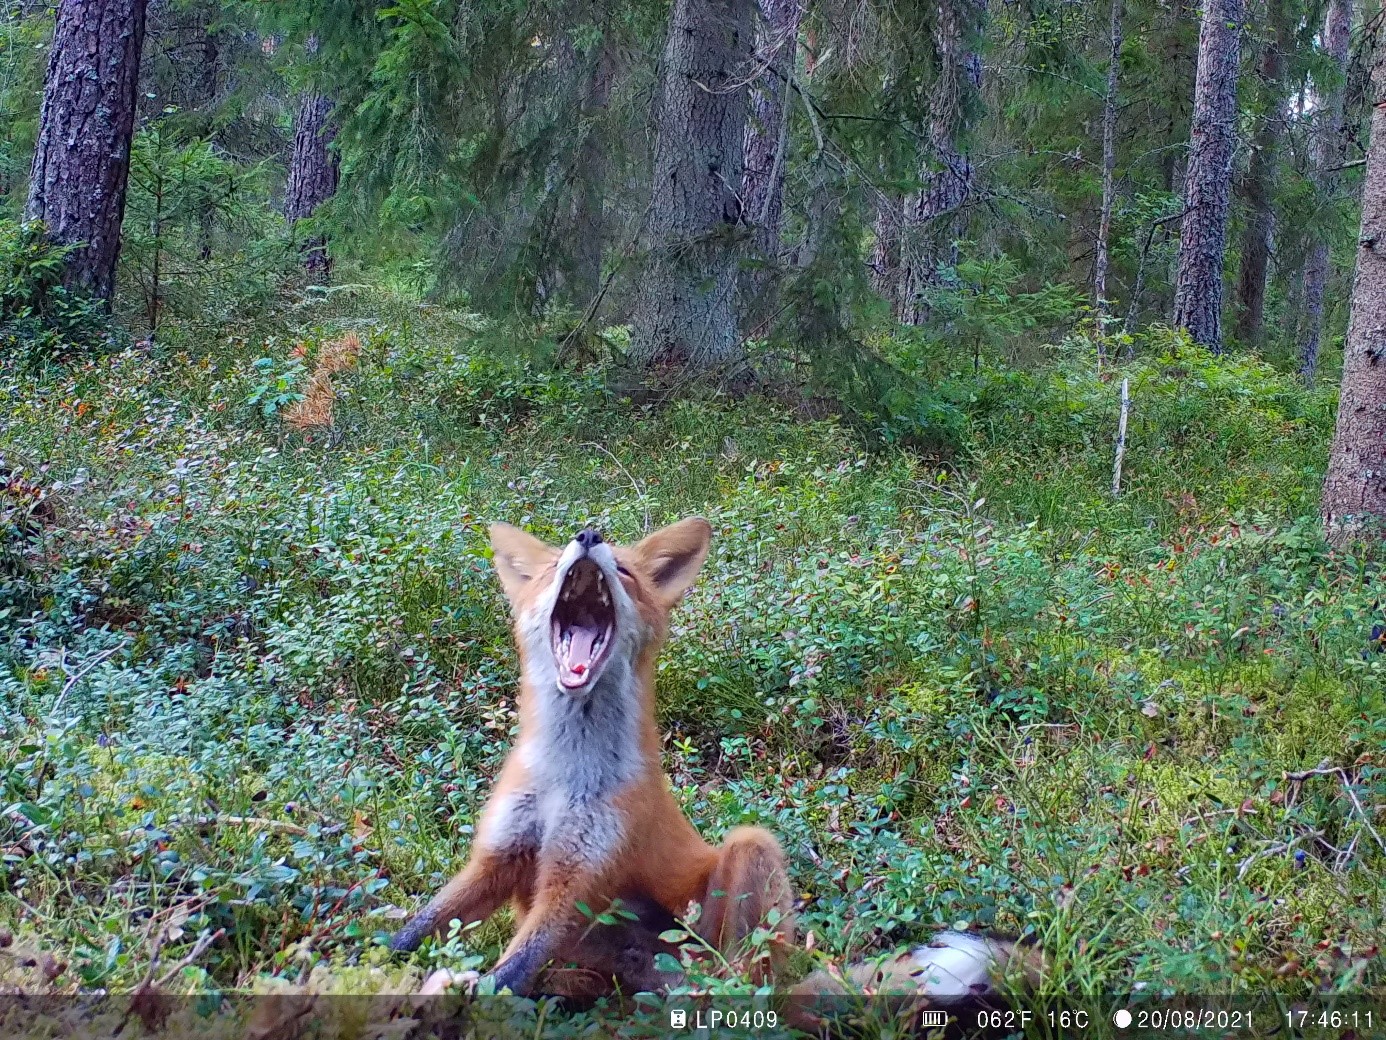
256, 675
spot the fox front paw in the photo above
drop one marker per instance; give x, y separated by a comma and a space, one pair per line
517, 972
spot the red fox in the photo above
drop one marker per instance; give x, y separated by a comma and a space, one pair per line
582, 814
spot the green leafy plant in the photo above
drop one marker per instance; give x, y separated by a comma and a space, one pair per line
981, 308
40, 319
278, 384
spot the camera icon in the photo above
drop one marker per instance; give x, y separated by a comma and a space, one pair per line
678, 1018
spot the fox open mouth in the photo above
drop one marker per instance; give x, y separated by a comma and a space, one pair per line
583, 623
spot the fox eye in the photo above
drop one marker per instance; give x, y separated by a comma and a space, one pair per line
623, 572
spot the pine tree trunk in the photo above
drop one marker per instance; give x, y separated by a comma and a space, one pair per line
928, 225
1354, 489
1326, 149
1109, 120
884, 264
767, 148
82, 159
312, 175
1208, 180
204, 97
767, 130
1260, 188
589, 208
686, 311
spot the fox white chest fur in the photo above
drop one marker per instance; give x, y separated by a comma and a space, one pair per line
583, 752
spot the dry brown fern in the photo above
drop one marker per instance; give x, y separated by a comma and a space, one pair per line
315, 410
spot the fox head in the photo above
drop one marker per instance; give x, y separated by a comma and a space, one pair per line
591, 608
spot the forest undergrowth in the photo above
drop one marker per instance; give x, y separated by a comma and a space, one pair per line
256, 676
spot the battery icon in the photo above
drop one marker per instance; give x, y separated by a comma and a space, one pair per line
931, 1019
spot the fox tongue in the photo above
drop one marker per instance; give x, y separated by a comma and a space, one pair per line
581, 646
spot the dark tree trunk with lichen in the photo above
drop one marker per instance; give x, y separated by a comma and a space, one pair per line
1326, 149
916, 235
767, 129
589, 199
1208, 180
82, 159
1354, 489
1259, 185
767, 147
312, 175
685, 315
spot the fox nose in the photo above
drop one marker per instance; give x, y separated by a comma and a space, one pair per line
588, 537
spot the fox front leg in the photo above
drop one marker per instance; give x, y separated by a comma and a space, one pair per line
473, 895
553, 924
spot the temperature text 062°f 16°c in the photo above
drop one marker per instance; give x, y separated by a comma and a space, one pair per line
1019, 1018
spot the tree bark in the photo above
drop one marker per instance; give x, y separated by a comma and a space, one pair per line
1260, 186
767, 130
927, 228
884, 264
589, 210
685, 314
312, 175
1109, 121
1208, 180
767, 148
1354, 489
1326, 149
82, 160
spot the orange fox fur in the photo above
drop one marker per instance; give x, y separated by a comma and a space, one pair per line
582, 812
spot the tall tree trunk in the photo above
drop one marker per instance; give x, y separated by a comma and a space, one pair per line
82, 159
1326, 149
928, 224
884, 264
767, 130
312, 175
1208, 180
1109, 121
204, 98
1354, 489
1173, 53
686, 311
767, 147
1260, 185
588, 208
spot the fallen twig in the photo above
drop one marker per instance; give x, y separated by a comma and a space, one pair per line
1274, 850
1201, 817
77, 676
1327, 768
199, 948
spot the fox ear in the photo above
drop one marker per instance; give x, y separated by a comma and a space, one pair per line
517, 557
673, 556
